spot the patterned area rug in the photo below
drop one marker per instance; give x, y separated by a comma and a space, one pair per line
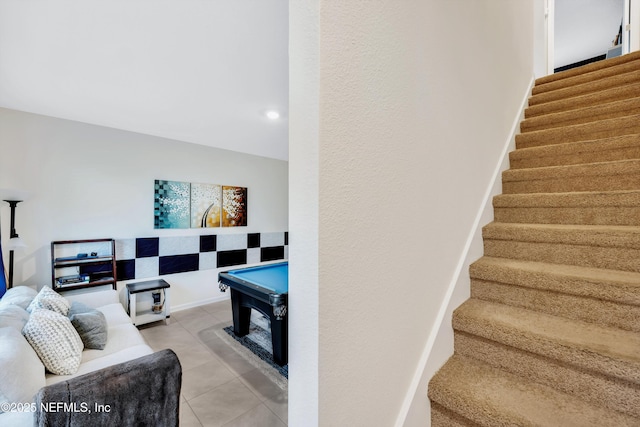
256, 348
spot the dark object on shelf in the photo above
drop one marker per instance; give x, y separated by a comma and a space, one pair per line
83, 270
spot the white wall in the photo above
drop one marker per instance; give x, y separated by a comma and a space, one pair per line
415, 105
89, 181
303, 207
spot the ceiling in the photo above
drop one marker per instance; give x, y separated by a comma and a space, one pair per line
200, 71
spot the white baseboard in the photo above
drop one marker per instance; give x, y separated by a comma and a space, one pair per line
199, 303
459, 286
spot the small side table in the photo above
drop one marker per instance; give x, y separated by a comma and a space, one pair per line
147, 316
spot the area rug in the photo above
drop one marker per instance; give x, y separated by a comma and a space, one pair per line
256, 348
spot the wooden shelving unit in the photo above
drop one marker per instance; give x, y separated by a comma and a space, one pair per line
78, 264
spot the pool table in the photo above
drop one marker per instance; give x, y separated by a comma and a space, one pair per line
264, 288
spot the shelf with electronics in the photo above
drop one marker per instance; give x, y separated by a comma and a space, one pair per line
79, 264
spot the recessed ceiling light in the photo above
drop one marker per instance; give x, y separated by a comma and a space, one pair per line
273, 115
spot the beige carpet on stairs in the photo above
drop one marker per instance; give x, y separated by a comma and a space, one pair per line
551, 333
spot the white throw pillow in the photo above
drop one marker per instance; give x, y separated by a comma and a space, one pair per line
19, 295
51, 300
55, 340
22, 373
13, 316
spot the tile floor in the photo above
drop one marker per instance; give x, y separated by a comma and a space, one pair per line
219, 388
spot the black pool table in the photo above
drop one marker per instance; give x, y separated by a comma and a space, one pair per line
264, 288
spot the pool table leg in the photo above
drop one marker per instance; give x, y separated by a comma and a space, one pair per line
241, 315
279, 339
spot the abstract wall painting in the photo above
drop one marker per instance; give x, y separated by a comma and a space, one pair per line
234, 206
206, 203
172, 200
195, 205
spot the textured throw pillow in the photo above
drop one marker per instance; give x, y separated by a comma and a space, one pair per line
90, 324
55, 340
51, 300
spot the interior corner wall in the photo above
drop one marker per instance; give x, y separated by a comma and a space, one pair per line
304, 117
414, 106
88, 181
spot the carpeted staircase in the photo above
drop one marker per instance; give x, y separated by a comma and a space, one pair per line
551, 333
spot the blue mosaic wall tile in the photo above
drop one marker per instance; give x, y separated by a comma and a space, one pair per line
147, 246
179, 263
126, 269
253, 240
208, 243
271, 254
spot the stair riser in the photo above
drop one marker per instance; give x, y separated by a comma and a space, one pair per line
522, 339
570, 215
584, 132
441, 417
583, 101
590, 154
615, 258
587, 78
602, 284
584, 89
559, 304
592, 387
586, 182
619, 109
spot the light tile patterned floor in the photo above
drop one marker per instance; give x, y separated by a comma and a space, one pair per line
219, 388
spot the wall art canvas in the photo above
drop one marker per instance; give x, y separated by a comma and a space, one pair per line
172, 202
206, 204
234, 206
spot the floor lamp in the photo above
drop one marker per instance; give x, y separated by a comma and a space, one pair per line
15, 241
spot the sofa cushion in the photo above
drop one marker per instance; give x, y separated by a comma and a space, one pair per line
22, 372
90, 324
115, 314
120, 337
124, 355
55, 340
19, 295
13, 316
51, 300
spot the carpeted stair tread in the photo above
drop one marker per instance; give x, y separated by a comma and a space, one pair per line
608, 285
619, 80
586, 208
589, 76
491, 397
555, 299
599, 246
584, 235
601, 176
594, 348
607, 95
589, 68
592, 113
607, 128
599, 150
599, 390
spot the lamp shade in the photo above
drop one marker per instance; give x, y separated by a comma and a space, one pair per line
15, 243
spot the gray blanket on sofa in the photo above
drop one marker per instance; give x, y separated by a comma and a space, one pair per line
140, 392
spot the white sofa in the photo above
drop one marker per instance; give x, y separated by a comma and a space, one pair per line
23, 375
